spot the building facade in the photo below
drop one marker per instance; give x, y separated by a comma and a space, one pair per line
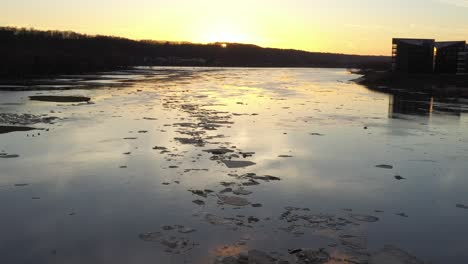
447, 56
429, 56
413, 55
462, 66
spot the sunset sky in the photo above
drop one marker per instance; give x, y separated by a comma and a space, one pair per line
344, 26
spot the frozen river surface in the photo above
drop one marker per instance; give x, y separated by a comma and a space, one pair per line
193, 165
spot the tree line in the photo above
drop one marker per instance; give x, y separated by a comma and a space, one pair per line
28, 52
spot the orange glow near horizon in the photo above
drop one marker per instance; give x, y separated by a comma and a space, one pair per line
224, 32
352, 27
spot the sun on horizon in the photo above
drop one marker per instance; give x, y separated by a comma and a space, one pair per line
334, 26
224, 32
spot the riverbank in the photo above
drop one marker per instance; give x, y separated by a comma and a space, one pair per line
123, 77
440, 84
30, 52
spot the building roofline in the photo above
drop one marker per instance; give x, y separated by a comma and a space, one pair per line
414, 39
454, 41
414, 42
444, 44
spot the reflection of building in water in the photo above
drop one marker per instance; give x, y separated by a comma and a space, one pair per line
421, 105
410, 105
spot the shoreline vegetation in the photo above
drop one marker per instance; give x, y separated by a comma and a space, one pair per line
35, 59
30, 53
437, 84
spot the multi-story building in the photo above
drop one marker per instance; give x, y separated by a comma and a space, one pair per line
429, 56
462, 66
447, 56
413, 55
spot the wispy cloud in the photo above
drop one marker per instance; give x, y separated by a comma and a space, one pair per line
459, 3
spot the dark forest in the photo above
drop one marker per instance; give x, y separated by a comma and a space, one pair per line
30, 52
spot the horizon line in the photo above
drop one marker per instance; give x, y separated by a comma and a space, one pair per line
184, 41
